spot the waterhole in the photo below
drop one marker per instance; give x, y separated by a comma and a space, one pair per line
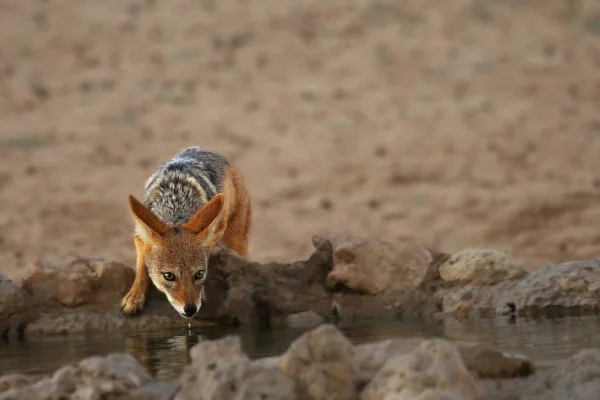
165, 353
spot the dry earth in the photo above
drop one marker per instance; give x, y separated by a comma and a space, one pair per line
453, 123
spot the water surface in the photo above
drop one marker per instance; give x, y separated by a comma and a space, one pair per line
165, 353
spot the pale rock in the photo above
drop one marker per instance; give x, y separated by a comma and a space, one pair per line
75, 281
221, 371
481, 361
17, 380
578, 378
93, 378
433, 370
372, 266
322, 364
480, 266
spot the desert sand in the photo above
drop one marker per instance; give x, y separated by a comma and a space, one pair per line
450, 123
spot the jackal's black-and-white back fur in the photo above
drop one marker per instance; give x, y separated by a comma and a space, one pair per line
176, 190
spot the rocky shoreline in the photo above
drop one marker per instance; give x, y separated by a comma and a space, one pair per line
321, 364
346, 278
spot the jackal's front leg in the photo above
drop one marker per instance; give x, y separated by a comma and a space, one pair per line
134, 301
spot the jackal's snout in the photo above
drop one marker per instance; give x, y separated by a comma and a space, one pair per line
189, 310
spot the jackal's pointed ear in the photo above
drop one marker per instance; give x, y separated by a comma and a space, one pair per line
205, 223
148, 226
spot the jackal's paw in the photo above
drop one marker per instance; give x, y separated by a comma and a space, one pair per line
133, 303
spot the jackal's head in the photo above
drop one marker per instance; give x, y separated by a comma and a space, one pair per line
177, 259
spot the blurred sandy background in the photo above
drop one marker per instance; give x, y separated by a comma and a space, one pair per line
453, 123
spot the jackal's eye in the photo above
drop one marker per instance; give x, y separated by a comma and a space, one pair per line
169, 276
199, 274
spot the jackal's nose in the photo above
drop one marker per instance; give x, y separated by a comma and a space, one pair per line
189, 310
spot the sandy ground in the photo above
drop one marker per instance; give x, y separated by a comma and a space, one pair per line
453, 123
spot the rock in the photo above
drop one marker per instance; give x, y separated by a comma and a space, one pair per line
407, 303
481, 361
264, 383
434, 370
481, 267
507, 389
370, 357
572, 285
270, 362
551, 290
487, 363
322, 364
60, 322
83, 295
121, 367
349, 306
268, 293
305, 319
155, 390
15, 381
371, 266
93, 378
15, 306
470, 300
578, 379
221, 371
75, 281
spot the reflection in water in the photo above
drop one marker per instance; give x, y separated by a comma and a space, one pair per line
165, 353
